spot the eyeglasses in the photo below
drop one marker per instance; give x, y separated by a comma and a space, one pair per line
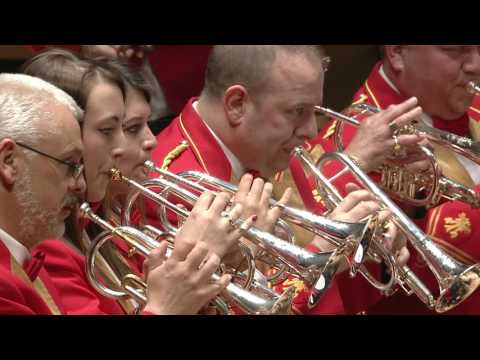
75, 169
326, 63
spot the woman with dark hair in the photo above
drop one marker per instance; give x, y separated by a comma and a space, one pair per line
174, 72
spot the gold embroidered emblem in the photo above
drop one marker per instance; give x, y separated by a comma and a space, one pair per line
297, 283
454, 226
172, 155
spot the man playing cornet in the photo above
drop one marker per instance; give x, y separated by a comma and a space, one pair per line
41, 173
439, 77
257, 105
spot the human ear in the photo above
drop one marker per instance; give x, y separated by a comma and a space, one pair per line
8, 162
394, 55
235, 104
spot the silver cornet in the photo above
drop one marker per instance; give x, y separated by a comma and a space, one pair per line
133, 286
456, 280
315, 269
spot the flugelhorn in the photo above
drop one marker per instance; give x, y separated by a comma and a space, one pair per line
456, 280
135, 287
298, 262
406, 186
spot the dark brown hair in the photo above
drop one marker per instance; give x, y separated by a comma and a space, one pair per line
75, 74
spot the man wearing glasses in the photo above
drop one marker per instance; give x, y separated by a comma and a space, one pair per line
41, 178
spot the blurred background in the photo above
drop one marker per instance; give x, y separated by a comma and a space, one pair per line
350, 66
12, 56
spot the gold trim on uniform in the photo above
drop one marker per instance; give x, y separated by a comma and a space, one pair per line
377, 104
195, 149
454, 251
362, 98
432, 221
474, 109
38, 285
331, 130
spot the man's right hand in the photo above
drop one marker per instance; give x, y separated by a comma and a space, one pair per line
373, 143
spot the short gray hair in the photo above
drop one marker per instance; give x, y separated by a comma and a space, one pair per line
23, 106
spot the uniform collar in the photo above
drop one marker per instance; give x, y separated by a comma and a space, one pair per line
384, 76
204, 146
237, 168
19, 252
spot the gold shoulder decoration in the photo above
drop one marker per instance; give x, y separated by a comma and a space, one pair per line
296, 283
316, 153
454, 226
172, 155
331, 130
361, 99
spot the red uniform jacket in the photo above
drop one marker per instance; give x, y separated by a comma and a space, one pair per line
188, 145
66, 267
453, 225
26, 290
180, 70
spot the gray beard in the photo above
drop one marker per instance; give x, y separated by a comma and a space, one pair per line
37, 223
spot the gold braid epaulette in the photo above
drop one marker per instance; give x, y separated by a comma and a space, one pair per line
174, 154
